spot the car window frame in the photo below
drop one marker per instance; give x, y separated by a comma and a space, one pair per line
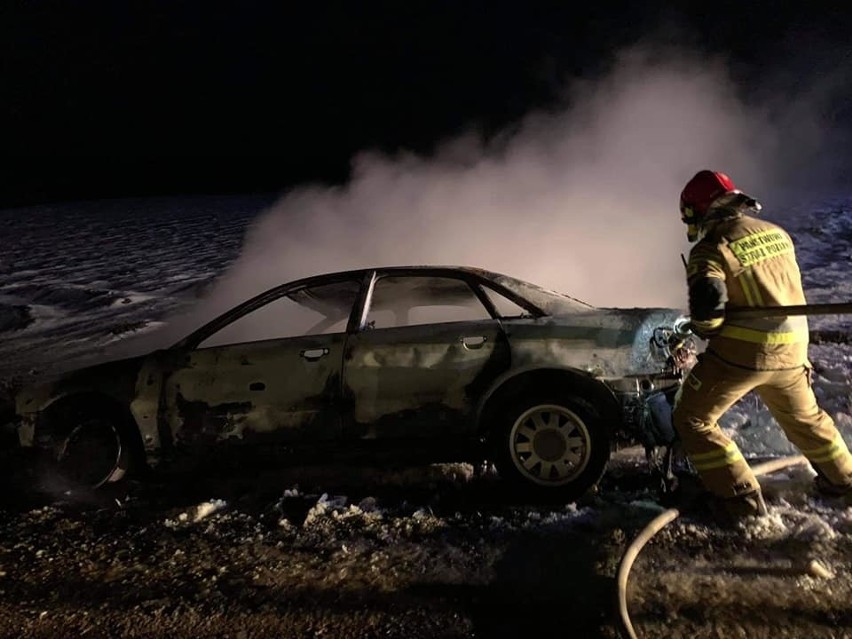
471, 282
533, 310
193, 340
368, 277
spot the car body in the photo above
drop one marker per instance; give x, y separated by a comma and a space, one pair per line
420, 363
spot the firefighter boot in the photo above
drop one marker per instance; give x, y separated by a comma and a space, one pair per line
730, 511
833, 491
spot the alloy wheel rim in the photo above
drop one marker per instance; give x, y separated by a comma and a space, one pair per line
549, 445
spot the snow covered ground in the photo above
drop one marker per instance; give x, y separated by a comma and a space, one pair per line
77, 278
420, 552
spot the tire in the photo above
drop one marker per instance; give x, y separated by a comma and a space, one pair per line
551, 447
91, 450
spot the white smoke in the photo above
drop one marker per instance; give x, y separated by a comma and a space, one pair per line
582, 199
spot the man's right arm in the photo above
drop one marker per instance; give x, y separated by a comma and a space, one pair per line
708, 293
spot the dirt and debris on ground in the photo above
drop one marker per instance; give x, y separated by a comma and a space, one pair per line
418, 552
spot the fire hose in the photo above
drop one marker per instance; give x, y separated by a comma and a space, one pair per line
656, 525
841, 308
668, 516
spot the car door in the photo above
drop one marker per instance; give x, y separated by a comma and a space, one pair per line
270, 375
426, 350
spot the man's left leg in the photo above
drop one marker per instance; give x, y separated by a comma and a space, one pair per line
792, 402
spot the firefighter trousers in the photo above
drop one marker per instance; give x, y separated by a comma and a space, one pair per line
713, 386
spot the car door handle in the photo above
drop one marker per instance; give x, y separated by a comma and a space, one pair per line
473, 342
313, 354
257, 386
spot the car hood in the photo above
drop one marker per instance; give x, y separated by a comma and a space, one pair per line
607, 342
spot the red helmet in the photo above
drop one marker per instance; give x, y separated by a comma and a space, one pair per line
700, 192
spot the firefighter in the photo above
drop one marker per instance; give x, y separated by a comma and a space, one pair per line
739, 262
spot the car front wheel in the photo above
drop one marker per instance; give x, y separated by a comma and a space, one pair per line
551, 447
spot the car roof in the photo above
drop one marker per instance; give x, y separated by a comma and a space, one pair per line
470, 270
498, 280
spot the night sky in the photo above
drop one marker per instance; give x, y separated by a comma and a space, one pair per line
124, 98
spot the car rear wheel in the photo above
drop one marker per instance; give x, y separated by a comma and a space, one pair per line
92, 452
551, 447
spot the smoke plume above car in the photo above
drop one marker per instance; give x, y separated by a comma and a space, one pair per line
581, 198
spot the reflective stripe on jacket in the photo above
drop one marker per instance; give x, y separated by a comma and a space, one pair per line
752, 263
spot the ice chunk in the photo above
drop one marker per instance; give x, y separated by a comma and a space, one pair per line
208, 508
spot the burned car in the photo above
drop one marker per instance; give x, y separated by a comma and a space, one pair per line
409, 364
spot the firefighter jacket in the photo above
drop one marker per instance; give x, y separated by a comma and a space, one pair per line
744, 262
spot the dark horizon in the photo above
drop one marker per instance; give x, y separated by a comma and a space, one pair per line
36, 181
107, 100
